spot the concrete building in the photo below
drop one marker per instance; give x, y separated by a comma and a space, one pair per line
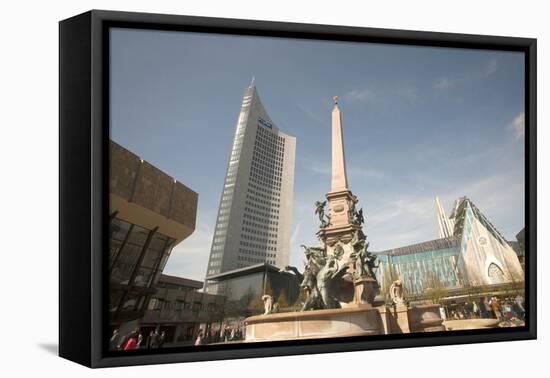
150, 213
471, 254
519, 247
178, 309
255, 214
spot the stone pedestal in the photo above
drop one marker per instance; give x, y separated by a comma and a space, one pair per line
366, 290
396, 319
340, 230
426, 318
401, 313
342, 322
457, 325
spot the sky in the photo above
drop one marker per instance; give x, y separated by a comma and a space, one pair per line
419, 122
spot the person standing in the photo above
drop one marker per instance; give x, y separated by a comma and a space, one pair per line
199, 338
475, 309
519, 303
113, 342
132, 340
227, 332
139, 341
154, 339
495, 307
222, 332
162, 338
486, 307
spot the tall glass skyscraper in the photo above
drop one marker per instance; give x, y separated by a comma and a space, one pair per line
255, 213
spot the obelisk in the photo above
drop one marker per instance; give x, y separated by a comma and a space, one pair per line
342, 203
339, 176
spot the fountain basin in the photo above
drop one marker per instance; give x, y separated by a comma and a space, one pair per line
457, 325
359, 320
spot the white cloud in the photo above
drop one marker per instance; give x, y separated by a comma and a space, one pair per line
324, 169
443, 83
360, 172
189, 258
359, 95
517, 126
312, 115
409, 93
409, 219
487, 69
354, 171
296, 232
490, 67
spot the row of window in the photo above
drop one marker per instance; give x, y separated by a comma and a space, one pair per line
260, 226
266, 151
263, 245
272, 199
257, 232
257, 253
254, 260
267, 176
273, 194
179, 305
262, 181
271, 159
269, 140
256, 239
262, 208
261, 220
262, 201
271, 169
257, 212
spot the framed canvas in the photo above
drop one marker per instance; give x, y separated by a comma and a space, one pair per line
380, 194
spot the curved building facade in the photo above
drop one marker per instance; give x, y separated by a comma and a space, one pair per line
255, 214
471, 253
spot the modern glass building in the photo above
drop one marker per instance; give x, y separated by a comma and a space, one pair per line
150, 213
254, 218
243, 288
473, 254
430, 265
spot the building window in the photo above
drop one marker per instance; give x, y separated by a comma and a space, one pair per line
495, 272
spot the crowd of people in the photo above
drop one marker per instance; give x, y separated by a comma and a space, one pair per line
225, 333
505, 309
135, 340
489, 307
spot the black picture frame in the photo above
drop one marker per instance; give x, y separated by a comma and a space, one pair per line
83, 196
